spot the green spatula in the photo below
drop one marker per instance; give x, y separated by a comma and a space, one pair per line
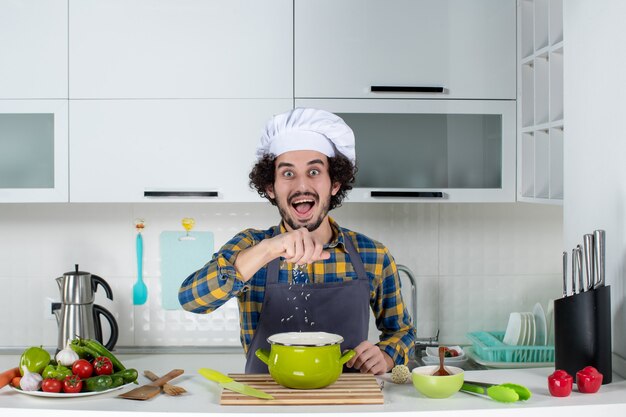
504, 393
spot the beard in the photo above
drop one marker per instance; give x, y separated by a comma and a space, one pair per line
314, 223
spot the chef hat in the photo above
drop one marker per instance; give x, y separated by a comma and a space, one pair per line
307, 129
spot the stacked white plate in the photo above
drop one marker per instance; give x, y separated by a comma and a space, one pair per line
527, 328
432, 357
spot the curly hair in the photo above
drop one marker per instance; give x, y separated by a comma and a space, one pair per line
340, 170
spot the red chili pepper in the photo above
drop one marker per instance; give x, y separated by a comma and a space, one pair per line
588, 380
560, 383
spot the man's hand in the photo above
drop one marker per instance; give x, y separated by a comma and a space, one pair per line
298, 247
369, 359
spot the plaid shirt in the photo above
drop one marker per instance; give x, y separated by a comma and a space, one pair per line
208, 288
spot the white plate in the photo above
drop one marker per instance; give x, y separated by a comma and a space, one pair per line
433, 352
455, 361
64, 395
550, 320
513, 333
542, 325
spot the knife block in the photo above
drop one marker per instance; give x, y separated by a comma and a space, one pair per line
582, 332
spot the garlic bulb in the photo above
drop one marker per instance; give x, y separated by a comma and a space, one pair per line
66, 356
31, 381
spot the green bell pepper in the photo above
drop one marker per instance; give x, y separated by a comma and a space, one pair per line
58, 372
35, 359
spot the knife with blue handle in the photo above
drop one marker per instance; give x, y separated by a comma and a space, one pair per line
230, 384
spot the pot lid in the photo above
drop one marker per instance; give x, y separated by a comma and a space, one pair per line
305, 339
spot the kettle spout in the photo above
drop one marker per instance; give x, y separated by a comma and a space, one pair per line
59, 281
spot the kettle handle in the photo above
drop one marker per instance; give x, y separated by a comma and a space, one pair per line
96, 280
97, 312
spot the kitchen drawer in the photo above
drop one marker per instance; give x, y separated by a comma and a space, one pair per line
123, 149
468, 47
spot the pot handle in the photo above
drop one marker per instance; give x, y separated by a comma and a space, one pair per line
263, 355
347, 356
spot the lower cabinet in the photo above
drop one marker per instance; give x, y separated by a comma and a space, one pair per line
166, 150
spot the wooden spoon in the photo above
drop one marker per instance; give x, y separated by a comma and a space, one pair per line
441, 371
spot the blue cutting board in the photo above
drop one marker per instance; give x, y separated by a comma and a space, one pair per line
179, 259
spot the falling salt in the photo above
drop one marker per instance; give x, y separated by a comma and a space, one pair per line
312, 323
281, 320
296, 307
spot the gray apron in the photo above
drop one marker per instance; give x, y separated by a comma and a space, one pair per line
341, 308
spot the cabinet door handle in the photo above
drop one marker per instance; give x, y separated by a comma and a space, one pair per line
404, 89
201, 194
407, 194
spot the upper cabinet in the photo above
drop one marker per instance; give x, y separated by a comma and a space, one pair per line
540, 98
33, 47
181, 49
452, 49
166, 150
33, 151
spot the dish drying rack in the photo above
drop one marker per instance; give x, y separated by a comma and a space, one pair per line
489, 346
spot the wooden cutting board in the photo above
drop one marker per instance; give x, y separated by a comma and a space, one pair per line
348, 389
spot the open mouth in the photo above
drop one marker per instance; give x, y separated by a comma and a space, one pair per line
303, 206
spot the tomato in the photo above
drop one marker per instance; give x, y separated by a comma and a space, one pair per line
449, 353
82, 368
103, 365
560, 383
51, 385
72, 384
588, 380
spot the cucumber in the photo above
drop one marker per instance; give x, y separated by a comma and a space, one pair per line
98, 383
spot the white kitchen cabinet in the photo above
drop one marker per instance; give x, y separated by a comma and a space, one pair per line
33, 151
128, 150
430, 150
540, 96
344, 48
181, 49
33, 47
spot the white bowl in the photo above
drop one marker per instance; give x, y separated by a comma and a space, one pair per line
433, 352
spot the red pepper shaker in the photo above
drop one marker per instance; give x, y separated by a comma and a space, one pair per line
588, 380
560, 383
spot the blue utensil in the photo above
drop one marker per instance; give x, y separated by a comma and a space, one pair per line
140, 291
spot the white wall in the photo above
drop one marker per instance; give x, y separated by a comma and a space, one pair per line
474, 263
595, 139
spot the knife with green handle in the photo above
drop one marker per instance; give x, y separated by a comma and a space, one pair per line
230, 384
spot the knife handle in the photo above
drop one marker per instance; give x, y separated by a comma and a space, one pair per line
599, 237
214, 375
167, 377
589, 256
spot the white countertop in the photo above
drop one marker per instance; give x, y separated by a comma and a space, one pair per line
401, 400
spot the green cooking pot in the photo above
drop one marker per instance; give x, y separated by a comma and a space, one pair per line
304, 360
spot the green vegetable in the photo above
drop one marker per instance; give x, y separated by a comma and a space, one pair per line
118, 381
35, 359
58, 372
129, 375
102, 351
98, 383
83, 351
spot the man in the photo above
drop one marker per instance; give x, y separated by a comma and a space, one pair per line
307, 274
